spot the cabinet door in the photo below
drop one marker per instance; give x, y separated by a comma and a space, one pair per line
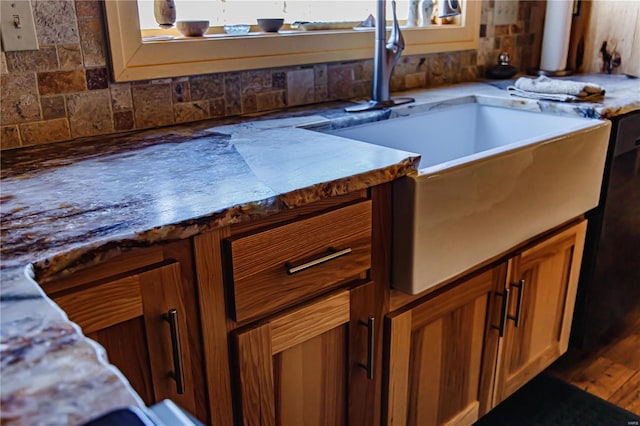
303, 367
542, 292
442, 355
140, 321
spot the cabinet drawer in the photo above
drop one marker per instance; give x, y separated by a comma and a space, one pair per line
277, 267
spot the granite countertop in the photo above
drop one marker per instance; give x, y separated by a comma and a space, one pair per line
69, 205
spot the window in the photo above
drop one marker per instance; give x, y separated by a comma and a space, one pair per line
135, 58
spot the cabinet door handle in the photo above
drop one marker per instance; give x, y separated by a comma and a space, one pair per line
520, 286
332, 254
177, 374
503, 311
370, 324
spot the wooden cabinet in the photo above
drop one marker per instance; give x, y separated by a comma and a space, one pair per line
542, 289
305, 366
288, 312
278, 321
453, 355
143, 317
438, 352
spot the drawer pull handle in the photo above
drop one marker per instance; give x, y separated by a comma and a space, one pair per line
370, 324
177, 374
520, 286
503, 312
333, 254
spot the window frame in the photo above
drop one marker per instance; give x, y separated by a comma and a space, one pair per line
134, 59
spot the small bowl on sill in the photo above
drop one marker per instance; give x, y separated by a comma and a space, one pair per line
192, 28
271, 25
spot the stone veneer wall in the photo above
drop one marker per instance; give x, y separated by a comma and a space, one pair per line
63, 91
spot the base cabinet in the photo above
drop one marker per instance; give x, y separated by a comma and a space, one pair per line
306, 366
542, 291
139, 320
288, 317
278, 322
460, 352
436, 355
140, 308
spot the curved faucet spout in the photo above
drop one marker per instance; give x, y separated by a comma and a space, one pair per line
395, 44
386, 56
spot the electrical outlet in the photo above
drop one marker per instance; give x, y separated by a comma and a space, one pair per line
505, 12
17, 25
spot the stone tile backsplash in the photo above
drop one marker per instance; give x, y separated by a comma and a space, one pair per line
63, 91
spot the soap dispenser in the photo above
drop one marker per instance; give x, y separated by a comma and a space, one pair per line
504, 69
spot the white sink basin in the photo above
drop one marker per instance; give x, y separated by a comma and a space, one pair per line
490, 178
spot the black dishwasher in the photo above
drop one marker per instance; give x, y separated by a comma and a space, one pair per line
609, 285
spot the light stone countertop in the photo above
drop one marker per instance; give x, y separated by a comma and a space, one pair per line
70, 205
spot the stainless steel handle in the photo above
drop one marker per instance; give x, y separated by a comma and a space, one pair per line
333, 254
177, 374
370, 324
503, 312
520, 286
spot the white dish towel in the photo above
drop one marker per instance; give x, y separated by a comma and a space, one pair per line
544, 87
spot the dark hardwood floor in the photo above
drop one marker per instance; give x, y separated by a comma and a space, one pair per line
610, 371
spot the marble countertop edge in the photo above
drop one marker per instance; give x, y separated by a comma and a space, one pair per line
90, 254
93, 253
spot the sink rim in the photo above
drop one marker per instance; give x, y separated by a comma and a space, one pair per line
581, 124
500, 151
